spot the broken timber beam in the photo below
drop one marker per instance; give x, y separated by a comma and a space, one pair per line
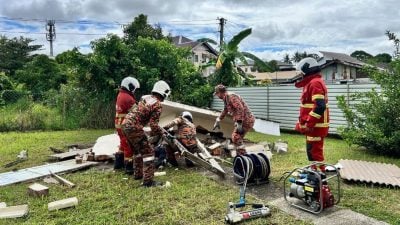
62, 180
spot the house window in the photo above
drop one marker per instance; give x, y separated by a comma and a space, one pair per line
196, 58
204, 58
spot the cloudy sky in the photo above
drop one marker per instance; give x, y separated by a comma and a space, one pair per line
279, 26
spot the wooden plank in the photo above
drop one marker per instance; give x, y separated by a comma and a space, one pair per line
62, 180
32, 173
38, 190
62, 204
69, 155
13, 211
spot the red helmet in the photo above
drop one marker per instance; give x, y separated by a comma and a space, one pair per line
219, 88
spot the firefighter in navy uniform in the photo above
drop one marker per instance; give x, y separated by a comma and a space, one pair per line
186, 136
147, 111
314, 113
125, 100
241, 115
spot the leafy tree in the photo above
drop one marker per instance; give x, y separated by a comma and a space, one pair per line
297, 56
14, 53
5, 82
396, 43
361, 55
227, 73
159, 59
140, 28
374, 121
40, 75
286, 58
383, 58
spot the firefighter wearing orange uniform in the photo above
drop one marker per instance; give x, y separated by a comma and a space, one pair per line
125, 100
241, 115
186, 136
147, 111
314, 113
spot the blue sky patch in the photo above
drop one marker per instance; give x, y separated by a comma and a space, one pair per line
10, 25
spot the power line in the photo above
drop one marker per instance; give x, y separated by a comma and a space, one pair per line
93, 22
68, 33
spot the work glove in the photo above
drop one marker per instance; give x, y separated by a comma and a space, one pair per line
302, 129
239, 127
216, 124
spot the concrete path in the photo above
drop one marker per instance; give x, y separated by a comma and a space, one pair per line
331, 216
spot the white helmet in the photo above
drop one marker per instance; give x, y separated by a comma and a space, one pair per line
161, 87
187, 115
130, 84
308, 66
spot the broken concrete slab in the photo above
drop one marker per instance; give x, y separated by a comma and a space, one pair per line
331, 216
13, 211
201, 116
62, 204
207, 118
105, 147
69, 155
41, 171
38, 190
280, 146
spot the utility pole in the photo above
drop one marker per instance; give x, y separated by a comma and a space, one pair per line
51, 35
222, 22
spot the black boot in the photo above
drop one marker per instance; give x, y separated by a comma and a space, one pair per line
119, 161
173, 162
153, 183
129, 167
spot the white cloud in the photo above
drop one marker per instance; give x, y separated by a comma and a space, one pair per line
279, 26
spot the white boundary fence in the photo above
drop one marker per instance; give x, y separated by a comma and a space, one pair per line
281, 103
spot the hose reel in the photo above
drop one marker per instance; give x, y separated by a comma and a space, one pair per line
255, 167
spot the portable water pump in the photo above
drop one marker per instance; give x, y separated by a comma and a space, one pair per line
311, 187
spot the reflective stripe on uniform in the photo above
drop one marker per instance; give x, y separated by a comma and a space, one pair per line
313, 138
313, 114
118, 126
148, 159
317, 97
120, 115
317, 125
310, 105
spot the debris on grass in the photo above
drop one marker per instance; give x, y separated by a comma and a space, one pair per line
62, 180
38, 190
62, 204
13, 211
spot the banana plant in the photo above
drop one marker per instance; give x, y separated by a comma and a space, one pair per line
229, 55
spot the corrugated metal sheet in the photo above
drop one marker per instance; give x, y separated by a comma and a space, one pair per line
41, 171
281, 103
370, 172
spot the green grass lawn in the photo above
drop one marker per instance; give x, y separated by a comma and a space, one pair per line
107, 198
